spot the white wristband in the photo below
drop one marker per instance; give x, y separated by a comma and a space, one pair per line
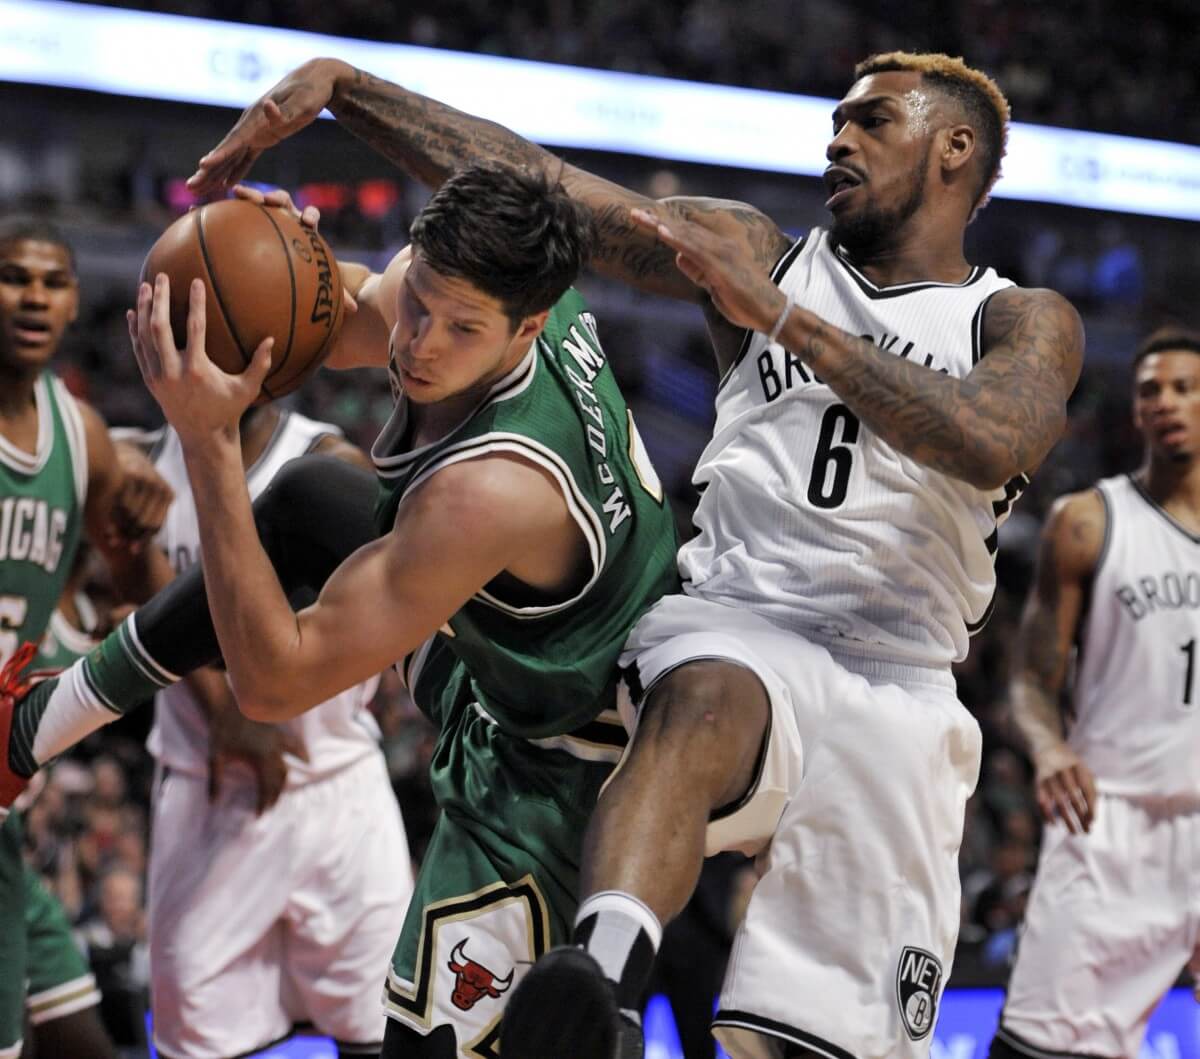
773, 335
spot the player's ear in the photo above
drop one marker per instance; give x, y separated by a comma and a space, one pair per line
530, 327
957, 147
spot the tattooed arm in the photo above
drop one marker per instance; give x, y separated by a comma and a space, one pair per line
430, 140
1072, 540
997, 422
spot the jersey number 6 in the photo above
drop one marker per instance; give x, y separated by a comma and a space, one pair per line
825, 489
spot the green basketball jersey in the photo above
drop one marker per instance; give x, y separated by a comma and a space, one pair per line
41, 515
544, 667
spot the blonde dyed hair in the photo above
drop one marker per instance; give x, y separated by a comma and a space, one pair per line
979, 96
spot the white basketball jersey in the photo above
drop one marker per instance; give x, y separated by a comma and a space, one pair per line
336, 733
1137, 677
809, 519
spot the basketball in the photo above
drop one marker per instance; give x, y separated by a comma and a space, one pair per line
265, 275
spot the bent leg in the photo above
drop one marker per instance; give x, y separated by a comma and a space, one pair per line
315, 513
696, 751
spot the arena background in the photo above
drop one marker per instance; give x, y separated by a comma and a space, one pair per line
1108, 222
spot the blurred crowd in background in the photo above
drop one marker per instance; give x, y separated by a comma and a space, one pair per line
1076, 63
112, 176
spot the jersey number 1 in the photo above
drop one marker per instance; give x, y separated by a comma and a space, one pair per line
1189, 676
833, 460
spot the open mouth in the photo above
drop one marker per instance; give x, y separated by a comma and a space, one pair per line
28, 331
840, 182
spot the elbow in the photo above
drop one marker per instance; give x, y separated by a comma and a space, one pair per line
262, 710
992, 470
267, 702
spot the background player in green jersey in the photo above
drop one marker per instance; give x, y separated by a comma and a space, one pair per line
519, 533
61, 479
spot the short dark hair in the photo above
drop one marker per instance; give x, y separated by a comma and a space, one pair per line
1171, 338
19, 227
516, 236
979, 97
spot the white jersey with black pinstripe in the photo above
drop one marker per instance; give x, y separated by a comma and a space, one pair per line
1136, 694
812, 521
335, 734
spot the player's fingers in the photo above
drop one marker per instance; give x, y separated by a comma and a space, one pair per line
250, 194
275, 113
260, 364
197, 322
138, 353
310, 217
1089, 790
645, 219
280, 199
693, 269
1045, 804
145, 333
160, 333
1084, 795
349, 304
659, 229
1064, 803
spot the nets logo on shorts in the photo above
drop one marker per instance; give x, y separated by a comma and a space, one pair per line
918, 986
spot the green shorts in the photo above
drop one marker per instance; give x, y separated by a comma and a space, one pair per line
12, 938
499, 882
59, 981
41, 967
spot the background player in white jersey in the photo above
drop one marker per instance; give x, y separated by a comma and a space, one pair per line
1114, 916
295, 825
801, 687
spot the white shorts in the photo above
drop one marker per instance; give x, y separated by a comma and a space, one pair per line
850, 932
1113, 918
260, 923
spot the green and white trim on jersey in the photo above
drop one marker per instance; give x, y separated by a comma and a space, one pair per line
587, 520
46, 389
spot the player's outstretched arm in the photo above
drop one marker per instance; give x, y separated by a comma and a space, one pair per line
996, 423
1071, 543
430, 140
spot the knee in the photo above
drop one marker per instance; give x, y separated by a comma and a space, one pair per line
288, 490
711, 715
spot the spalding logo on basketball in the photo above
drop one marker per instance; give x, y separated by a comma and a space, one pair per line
918, 987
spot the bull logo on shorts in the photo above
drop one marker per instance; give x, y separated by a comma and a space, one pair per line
918, 987
473, 981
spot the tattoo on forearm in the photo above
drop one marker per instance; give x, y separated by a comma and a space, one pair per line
424, 137
1007, 414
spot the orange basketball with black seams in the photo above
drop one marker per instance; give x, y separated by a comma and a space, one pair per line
266, 275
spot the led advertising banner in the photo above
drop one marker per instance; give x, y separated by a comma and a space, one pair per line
194, 60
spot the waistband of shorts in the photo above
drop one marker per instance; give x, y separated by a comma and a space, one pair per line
879, 670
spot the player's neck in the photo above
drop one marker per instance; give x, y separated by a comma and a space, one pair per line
1175, 487
18, 407
432, 422
920, 251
